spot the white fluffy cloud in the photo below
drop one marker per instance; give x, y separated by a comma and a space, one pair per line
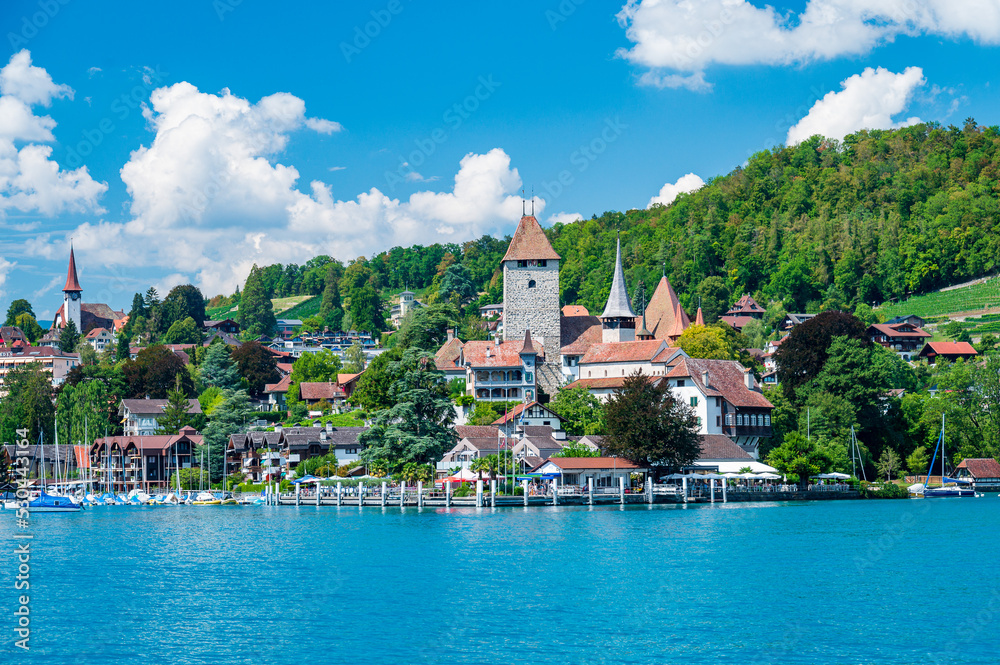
5, 268
210, 197
564, 218
29, 180
670, 191
867, 101
678, 39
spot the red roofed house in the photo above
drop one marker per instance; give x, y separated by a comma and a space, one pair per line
277, 393
983, 472
663, 311
11, 334
952, 351
726, 399
743, 312
904, 338
139, 461
528, 414
100, 338
314, 392
606, 366
448, 356
501, 371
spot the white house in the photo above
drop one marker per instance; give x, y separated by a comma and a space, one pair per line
605, 471
140, 417
100, 338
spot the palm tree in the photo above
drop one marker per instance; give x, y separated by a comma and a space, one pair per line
479, 465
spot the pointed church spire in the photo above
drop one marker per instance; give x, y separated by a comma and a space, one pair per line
678, 327
618, 302
699, 319
72, 281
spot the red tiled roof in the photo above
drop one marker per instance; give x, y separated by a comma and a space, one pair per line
448, 355
575, 310
344, 379
622, 352
720, 447
981, 467
725, 378
489, 354
529, 242
579, 333
96, 332
699, 319
574, 463
285, 368
515, 413
662, 309
608, 382
320, 390
737, 321
72, 282
948, 349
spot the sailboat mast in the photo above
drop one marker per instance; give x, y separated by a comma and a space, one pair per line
55, 470
942, 450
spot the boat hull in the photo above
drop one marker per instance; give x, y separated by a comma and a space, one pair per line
948, 492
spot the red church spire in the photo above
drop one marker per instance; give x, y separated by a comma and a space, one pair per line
72, 282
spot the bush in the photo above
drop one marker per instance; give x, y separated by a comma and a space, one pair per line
883, 491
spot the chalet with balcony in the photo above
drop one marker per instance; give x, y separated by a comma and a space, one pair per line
227, 326
140, 417
745, 310
530, 414
951, 351
984, 473
726, 400
498, 371
134, 461
904, 338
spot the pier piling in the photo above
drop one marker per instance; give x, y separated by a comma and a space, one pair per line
384, 487
524, 489
590, 491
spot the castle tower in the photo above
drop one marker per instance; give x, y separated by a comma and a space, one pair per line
618, 319
531, 287
72, 294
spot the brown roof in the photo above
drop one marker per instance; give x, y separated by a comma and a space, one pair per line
981, 467
579, 333
720, 447
529, 242
96, 332
279, 387
156, 406
575, 310
574, 463
476, 431
489, 354
699, 319
527, 347
155, 442
622, 352
898, 330
72, 282
736, 321
746, 305
448, 355
515, 413
662, 309
948, 349
320, 390
725, 378
285, 368
344, 379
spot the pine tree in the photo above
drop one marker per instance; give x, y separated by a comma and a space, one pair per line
175, 413
331, 310
218, 369
256, 311
69, 337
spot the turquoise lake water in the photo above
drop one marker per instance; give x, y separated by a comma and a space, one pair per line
823, 582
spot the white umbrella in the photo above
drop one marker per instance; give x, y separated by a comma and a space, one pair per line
839, 476
769, 476
749, 476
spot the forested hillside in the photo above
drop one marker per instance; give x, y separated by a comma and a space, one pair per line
825, 224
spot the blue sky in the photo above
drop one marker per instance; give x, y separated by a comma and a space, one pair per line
215, 135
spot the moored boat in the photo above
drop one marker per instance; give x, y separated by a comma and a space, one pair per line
46, 503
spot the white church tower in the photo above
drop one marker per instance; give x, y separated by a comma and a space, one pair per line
72, 294
618, 319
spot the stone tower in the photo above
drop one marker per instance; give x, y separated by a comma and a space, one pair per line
618, 319
72, 294
531, 297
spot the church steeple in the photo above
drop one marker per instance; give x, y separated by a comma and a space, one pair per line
72, 295
618, 319
72, 281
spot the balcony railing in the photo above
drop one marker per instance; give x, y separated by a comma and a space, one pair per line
746, 430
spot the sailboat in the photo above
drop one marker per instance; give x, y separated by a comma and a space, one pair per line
949, 486
50, 503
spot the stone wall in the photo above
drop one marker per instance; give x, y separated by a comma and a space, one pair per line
532, 308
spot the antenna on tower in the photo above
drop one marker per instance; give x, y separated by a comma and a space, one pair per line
522, 202
532, 200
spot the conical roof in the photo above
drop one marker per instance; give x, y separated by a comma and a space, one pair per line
699, 319
662, 309
618, 303
528, 347
642, 333
677, 329
529, 242
72, 281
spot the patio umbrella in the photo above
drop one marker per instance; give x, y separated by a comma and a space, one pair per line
769, 476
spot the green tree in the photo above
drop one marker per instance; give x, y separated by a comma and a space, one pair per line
373, 390
122, 349
256, 310
457, 284
367, 310
580, 411
69, 337
714, 298
426, 328
804, 352
26, 322
182, 302
17, 308
577, 449
797, 455
756, 333
483, 413
649, 427
418, 427
88, 356
154, 373
888, 463
354, 359
28, 404
257, 365
918, 460
331, 310
227, 418
175, 413
704, 342
185, 331
218, 369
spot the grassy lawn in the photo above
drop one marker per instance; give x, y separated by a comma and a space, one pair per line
942, 303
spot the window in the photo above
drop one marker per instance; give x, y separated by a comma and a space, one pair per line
767, 421
680, 383
694, 401
546, 422
739, 419
718, 402
699, 421
542, 263
718, 421
729, 419
522, 264
531, 283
